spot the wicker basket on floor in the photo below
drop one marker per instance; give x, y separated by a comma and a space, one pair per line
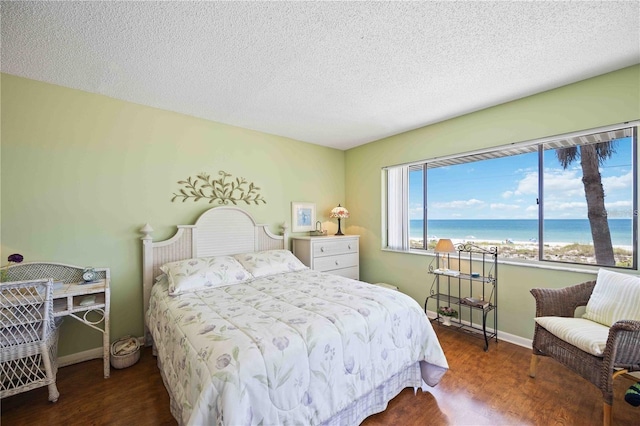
125, 352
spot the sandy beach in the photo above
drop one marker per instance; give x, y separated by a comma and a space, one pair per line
558, 251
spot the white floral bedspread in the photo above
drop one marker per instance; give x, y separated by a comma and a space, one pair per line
293, 348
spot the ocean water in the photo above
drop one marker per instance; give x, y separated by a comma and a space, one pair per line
555, 230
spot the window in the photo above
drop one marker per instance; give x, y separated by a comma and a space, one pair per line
567, 199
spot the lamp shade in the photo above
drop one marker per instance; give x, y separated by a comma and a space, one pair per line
444, 245
340, 212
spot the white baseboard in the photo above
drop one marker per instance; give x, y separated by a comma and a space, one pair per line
516, 340
507, 337
97, 352
87, 355
83, 356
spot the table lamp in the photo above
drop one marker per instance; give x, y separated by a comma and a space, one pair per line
444, 245
340, 213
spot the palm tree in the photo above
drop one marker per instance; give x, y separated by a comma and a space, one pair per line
591, 157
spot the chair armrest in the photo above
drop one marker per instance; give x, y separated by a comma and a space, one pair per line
562, 302
623, 345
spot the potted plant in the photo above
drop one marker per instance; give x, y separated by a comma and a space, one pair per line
4, 271
447, 313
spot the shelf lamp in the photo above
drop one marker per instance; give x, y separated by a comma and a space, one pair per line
444, 245
340, 213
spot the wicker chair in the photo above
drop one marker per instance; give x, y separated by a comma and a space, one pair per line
28, 338
621, 354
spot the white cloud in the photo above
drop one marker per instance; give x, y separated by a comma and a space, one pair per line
415, 211
563, 184
564, 194
528, 184
507, 194
502, 206
612, 183
564, 206
516, 196
619, 209
458, 204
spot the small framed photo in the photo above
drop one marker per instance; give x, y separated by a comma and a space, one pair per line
303, 217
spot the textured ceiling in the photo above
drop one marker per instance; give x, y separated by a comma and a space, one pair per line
339, 74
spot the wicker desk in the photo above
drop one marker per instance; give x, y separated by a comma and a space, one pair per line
87, 303
77, 300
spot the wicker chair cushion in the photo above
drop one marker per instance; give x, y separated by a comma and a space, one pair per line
584, 334
204, 272
615, 297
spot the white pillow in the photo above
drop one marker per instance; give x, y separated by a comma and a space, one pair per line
161, 279
615, 297
263, 263
204, 272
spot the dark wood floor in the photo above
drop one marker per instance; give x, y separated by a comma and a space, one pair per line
481, 388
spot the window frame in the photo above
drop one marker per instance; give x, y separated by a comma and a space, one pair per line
622, 130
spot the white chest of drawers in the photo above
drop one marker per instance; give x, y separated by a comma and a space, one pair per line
335, 255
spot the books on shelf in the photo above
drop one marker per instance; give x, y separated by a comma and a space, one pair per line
472, 301
449, 272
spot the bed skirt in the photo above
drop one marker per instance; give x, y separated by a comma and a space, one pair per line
377, 400
374, 402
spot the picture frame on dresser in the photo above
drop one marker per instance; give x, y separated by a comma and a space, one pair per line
303, 216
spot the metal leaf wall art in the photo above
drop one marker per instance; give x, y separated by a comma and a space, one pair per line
205, 187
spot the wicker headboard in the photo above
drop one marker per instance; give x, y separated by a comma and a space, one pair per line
218, 231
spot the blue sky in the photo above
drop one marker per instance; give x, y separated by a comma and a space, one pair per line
507, 188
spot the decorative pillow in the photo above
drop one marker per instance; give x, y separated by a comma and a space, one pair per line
615, 297
270, 262
587, 335
204, 272
161, 279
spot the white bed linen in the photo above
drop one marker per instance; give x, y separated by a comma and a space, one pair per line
293, 348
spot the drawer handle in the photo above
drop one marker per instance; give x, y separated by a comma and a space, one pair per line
349, 246
337, 263
322, 249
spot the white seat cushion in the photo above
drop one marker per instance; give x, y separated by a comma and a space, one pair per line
615, 297
587, 335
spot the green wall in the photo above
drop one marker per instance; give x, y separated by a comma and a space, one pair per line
82, 173
608, 99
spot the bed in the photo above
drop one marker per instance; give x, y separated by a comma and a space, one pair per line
244, 333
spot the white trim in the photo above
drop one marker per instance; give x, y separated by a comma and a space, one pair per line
513, 145
505, 337
537, 264
627, 129
516, 340
397, 211
88, 355
95, 353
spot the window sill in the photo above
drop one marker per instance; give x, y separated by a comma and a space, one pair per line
550, 266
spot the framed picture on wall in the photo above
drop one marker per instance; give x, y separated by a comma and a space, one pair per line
303, 217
